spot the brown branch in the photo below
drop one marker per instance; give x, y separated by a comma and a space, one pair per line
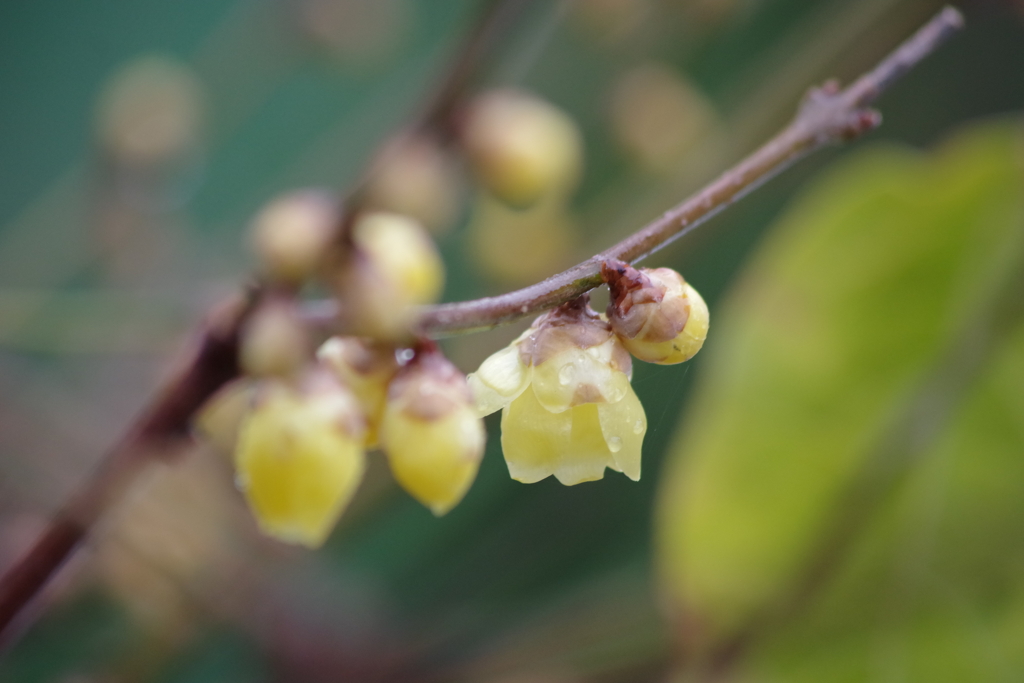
827, 116
213, 361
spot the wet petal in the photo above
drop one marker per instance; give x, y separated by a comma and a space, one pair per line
588, 454
500, 379
623, 425
533, 438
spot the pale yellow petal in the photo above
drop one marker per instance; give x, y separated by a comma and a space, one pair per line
623, 425
588, 454
578, 376
538, 443
500, 379
533, 438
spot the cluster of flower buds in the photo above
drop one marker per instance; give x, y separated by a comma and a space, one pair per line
568, 408
300, 424
300, 443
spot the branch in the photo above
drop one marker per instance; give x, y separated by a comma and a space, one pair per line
213, 361
827, 116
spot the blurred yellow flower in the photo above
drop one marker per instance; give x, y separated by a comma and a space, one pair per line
300, 458
431, 433
568, 408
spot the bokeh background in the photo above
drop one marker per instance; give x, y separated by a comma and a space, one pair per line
833, 489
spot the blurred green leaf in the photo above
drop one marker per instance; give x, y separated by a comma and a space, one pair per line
851, 458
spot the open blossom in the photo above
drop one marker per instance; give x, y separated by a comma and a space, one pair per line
568, 408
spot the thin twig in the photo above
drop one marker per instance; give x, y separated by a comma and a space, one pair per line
213, 361
827, 116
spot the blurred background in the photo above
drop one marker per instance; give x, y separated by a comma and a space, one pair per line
833, 490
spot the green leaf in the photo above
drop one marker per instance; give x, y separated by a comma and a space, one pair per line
848, 357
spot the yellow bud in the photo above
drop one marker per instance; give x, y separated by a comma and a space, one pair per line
568, 407
658, 316
395, 267
220, 418
365, 367
290, 235
275, 341
150, 113
415, 177
522, 147
300, 458
431, 433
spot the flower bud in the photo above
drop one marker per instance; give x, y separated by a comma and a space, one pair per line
275, 341
150, 113
366, 367
394, 268
220, 418
415, 177
522, 147
291, 233
568, 408
300, 457
431, 433
657, 315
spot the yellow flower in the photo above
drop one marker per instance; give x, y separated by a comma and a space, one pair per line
658, 316
300, 458
568, 408
431, 433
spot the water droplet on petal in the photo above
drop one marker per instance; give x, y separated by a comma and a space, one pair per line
566, 374
614, 444
638, 427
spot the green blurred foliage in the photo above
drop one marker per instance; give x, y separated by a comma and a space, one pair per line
844, 497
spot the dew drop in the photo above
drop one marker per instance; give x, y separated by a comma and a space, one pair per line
638, 427
614, 444
565, 375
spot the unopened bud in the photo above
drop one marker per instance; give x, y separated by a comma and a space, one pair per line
431, 433
522, 147
394, 268
415, 177
658, 316
220, 418
366, 367
290, 235
300, 458
150, 113
275, 341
